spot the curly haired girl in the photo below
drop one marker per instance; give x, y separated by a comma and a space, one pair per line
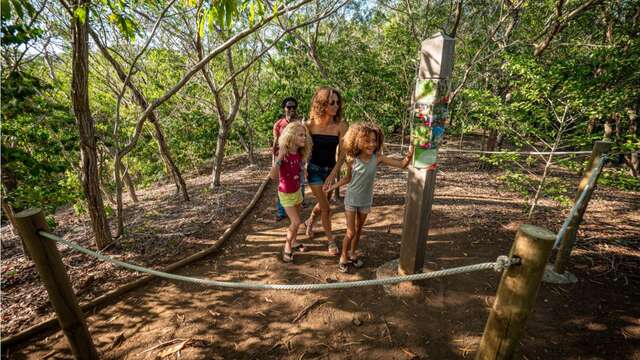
294, 150
362, 145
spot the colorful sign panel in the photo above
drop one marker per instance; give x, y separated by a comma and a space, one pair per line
430, 116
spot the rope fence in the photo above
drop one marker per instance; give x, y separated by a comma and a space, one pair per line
501, 263
468, 151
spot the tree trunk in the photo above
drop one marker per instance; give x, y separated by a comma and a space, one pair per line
88, 152
8, 212
632, 159
591, 126
130, 186
500, 141
219, 156
245, 119
608, 130
492, 140
172, 169
117, 177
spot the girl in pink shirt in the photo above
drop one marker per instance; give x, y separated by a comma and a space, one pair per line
294, 148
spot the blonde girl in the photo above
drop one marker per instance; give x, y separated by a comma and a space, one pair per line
362, 144
294, 149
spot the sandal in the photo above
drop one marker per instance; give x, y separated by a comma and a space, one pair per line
287, 257
333, 249
357, 262
343, 267
299, 247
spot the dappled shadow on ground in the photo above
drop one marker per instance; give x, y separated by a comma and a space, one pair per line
471, 222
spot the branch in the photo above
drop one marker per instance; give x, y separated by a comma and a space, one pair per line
274, 42
560, 23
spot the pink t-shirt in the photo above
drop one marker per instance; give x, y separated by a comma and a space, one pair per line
277, 131
290, 173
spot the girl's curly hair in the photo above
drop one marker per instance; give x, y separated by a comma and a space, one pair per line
320, 101
288, 137
358, 134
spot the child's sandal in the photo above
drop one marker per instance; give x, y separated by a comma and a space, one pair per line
357, 262
343, 267
287, 257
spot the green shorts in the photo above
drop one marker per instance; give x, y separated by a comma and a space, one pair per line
290, 199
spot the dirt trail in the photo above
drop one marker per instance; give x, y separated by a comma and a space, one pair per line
474, 220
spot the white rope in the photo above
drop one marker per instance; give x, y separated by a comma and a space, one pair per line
591, 183
501, 263
446, 150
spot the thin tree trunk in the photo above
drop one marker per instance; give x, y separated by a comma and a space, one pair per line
632, 159
130, 186
608, 130
219, 156
172, 169
117, 177
88, 153
245, 119
591, 125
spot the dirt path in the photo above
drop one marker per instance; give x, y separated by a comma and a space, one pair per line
474, 220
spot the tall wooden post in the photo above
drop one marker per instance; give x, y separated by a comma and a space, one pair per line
54, 276
516, 293
568, 240
431, 113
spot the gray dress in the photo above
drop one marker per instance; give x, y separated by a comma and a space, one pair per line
360, 188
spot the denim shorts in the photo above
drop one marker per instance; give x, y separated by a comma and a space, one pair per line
357, 209
317, 174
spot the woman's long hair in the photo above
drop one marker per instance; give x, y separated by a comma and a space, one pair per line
288, 137
320, 101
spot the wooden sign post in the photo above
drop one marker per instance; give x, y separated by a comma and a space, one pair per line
431, 107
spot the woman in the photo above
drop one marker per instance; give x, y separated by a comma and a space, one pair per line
327, 129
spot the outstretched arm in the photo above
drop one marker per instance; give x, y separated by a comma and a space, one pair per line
345, 180
401, 164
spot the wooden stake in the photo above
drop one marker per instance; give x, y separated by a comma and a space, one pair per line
516, 293
54, 276
417, 212
569, 238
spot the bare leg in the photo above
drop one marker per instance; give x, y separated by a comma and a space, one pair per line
311, 221
359, 223
325, 210
347, 242
292, 232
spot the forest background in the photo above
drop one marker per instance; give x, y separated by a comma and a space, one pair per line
112, 94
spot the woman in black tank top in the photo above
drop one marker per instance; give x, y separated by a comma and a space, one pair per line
327, 128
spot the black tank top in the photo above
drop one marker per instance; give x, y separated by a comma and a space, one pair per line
324, 149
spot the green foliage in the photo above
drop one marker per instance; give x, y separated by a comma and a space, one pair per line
620, 179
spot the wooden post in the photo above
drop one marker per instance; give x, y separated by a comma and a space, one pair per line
431, 112
568, 240
516, 293
417, 212
54, 276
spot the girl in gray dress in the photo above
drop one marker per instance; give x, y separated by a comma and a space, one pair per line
362, 144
